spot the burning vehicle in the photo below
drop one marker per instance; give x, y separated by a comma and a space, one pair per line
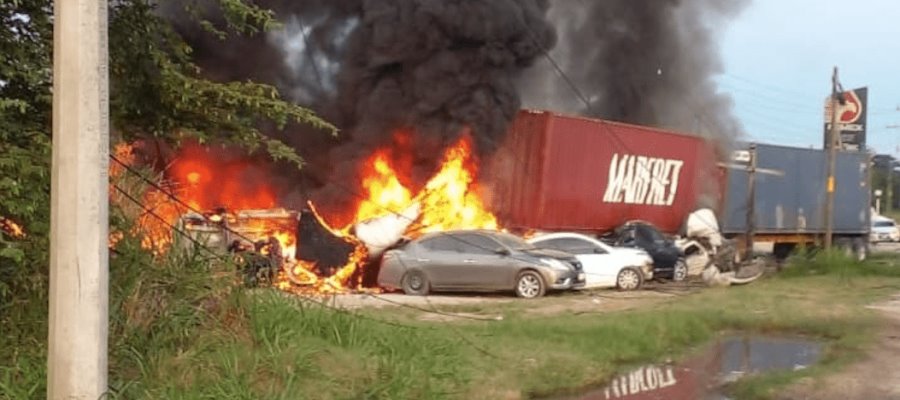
258, 238
304, 251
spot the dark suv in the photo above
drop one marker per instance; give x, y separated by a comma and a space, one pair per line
668, 260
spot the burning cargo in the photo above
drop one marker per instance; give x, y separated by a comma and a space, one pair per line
317, 254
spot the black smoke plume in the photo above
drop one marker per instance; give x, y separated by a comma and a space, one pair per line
375, 66
645, 62
434, 66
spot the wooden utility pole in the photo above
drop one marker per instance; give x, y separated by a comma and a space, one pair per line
79, 209
833, 143
751, 204
889, 196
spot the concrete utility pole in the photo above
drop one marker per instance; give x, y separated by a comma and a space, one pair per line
833, 143
79, 257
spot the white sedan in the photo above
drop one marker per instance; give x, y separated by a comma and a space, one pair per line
884, 230
605, 266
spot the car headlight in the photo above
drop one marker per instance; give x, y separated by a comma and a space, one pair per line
555, 264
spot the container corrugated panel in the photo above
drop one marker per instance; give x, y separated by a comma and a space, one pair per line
790, 192
556, 172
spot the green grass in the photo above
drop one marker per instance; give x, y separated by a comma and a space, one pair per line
180, 331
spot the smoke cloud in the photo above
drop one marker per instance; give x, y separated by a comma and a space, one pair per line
644, 62
435, 66
376, 66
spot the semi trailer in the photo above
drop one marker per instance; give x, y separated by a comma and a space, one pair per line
556, 172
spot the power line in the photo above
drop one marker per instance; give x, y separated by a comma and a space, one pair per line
772, 100
604, 124
774, 119
173, 197
432, 311
764, 85
202, 246
152, 213
774, 107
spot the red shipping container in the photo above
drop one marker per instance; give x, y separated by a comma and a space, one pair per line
563, 173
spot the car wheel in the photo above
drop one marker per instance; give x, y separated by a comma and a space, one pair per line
415, 283
529, 285
629, 279
680, 272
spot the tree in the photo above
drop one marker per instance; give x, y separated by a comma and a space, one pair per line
156, 92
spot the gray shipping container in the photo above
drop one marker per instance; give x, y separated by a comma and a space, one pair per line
790, 192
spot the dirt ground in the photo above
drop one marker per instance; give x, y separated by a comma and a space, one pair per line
492, 306
877, 376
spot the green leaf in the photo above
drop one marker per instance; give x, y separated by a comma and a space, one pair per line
12, 253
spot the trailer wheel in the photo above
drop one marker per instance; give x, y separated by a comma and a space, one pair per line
782, 251
860, 249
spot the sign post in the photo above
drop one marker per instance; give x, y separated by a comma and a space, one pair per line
852, 111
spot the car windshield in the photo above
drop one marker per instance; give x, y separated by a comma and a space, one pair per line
513, 242
883, 224
646, 235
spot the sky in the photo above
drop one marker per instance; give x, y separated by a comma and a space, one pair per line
778, 57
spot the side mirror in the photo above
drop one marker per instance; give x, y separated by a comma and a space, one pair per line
501, 251
599, 251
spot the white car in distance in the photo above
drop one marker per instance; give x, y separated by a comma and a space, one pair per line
605, 266
884, 229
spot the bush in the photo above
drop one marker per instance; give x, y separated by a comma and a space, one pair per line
838, 263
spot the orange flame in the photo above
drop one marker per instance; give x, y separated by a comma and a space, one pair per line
209, 180
301, 272
385, 192
11, 228
449, 200
199, 179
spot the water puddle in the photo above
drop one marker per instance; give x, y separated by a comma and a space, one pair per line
700, 377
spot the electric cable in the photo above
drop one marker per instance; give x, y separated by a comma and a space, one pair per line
202, 246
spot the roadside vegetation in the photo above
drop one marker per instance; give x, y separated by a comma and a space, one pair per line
158, 95
180, 329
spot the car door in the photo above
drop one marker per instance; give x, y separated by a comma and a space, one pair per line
480, 266
601, 270
600, 266
438, 256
